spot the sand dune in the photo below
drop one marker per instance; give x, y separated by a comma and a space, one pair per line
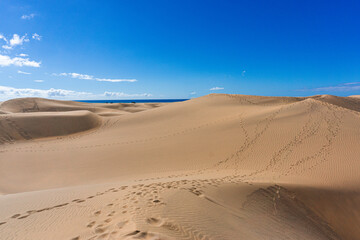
26, 126
32, 118
215, 167
352, 103
20, 105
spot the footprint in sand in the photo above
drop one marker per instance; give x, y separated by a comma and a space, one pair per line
16, 215
155, 221
97, 213
113, 233
100, 229
104, 236
91, 224
133, 233
120, 225
142, 235
61, 205
111, 214
108, 220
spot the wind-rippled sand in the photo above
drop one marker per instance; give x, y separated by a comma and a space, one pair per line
215, 167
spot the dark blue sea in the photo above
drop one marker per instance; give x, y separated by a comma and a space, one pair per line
133, 101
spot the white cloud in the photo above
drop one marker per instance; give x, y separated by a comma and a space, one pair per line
17, 40
3, 38
351, 86
115, 80
121, 94
216, 88
27, 17
90, 77
23, 55
38, 81
192, 93
10, 92
75, 75
21, 72
352, 83
59, 74
14, 41
6, 61
79, 76
36, 36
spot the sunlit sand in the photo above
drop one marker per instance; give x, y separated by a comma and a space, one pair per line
215, 167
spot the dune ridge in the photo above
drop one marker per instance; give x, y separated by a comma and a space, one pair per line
216, 167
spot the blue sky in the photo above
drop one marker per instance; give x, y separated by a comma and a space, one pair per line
178, 49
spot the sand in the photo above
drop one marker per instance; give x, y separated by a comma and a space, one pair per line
215, 167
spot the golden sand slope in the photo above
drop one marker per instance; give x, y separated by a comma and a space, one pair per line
25, 126
32, 118
215, 167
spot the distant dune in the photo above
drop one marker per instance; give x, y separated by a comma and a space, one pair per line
215, 167
31, 118
26, 126
47, 105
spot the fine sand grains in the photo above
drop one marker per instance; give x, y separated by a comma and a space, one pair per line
215, 167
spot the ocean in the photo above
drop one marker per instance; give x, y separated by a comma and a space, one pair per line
133, 101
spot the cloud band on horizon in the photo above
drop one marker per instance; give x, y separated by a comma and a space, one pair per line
6, 61
350, 86
11, 92
90, 77
216, 88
